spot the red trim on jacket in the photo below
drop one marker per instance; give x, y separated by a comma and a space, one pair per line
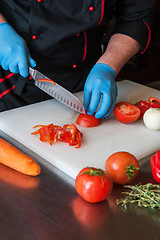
149, 37
85, 47
6, 77
7, 91
102, 11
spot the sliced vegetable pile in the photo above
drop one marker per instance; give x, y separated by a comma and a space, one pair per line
52, 133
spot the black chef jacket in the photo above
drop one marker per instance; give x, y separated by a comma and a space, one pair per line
64, 38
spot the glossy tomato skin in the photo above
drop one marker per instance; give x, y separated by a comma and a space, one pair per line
86, 120
116, 165
126, 112
93, 188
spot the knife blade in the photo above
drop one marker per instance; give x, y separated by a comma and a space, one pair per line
56, 91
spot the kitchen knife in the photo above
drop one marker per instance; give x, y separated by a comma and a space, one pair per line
56, 91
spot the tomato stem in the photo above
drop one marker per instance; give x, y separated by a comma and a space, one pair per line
96, 172
130, 171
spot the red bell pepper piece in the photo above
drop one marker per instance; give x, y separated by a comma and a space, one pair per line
143, 106
72, 135
46, 133
154, 102
155, 166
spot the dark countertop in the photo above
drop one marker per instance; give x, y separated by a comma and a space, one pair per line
47, 207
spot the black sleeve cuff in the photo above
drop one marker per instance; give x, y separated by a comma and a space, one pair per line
139, 31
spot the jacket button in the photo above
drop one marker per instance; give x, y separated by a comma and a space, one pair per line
91, 8
34, 37
74, 66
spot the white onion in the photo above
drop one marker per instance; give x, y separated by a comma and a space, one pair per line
151, 118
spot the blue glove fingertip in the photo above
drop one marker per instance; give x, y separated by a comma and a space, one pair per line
24, 72
89, 112
97, 116
24, 75
32, 63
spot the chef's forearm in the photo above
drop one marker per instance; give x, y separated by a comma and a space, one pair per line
119, 50
2, 19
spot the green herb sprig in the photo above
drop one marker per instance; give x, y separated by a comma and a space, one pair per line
147, 195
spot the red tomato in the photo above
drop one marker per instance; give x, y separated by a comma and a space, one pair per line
86, 120
93, 185
126, 112
123, 167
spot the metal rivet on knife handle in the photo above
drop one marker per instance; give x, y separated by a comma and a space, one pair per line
78, 108
71, 104
81, 109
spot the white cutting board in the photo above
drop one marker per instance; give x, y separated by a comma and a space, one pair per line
97, 143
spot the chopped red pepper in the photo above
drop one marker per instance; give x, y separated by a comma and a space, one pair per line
143, 106
155, 166
152, 103
52, 133
71, 135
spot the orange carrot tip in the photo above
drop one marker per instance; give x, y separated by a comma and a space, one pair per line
17, 160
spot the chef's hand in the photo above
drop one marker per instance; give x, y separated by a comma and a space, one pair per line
100, 83
14, 53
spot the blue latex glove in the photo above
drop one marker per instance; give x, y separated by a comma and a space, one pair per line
100, 83
14, 53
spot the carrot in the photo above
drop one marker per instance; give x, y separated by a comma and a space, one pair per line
14, 158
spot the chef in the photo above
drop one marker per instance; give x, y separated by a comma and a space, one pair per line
63, 40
